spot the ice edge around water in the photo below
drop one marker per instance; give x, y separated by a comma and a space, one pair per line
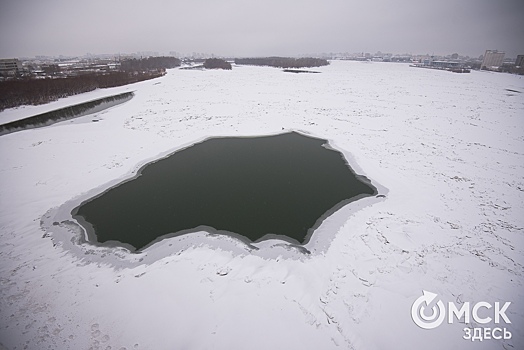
78, 238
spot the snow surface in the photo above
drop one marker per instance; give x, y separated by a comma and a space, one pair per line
447, 148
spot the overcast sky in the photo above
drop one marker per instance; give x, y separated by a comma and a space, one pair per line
262, 27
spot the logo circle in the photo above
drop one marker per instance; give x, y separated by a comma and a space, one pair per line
421, 305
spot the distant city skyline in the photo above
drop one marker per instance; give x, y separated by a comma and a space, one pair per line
202, 55
283, 27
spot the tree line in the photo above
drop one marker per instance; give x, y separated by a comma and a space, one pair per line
15, 93
149, 63
216, 63
283, 62
27, 91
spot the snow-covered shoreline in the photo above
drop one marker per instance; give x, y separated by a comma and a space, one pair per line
448, 147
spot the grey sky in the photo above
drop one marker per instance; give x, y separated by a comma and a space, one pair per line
253, 28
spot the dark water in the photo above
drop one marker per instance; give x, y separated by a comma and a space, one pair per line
248, 186
66, 113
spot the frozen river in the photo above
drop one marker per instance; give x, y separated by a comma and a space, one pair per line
447, 148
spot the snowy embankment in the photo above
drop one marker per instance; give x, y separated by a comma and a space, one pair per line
447, 147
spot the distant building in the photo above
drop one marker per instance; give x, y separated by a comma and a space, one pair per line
10, 66
493, 59
446, 64
519, 62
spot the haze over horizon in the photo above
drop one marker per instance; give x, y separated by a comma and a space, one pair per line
237, 28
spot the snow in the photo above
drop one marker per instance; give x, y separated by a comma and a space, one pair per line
446, 148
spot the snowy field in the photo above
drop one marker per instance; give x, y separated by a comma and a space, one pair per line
446, 149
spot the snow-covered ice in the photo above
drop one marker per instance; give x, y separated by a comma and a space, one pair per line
449, 149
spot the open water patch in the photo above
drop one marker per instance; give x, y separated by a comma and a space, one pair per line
252, 188
300, 71
70, 112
